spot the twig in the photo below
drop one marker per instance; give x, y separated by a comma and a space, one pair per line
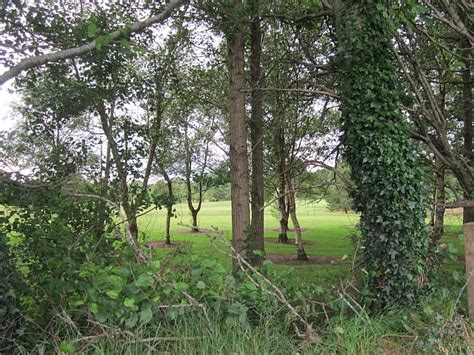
246, 266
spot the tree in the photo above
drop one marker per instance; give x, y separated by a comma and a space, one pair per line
256, 131
38, 60
239, 172
440, 88
376, 143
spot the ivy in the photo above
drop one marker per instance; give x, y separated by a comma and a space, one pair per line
391, 195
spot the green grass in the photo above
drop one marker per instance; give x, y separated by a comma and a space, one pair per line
328, 231
402, 330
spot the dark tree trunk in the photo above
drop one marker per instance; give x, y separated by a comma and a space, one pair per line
282, 196
439, 202
284, 216
238, 139
468, 213
256, 134
169, 206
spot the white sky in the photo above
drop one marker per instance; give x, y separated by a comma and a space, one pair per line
6, 100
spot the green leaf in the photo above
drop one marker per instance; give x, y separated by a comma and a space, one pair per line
201, 285
113, 294
94, 308
67, 348
91, 30
181, 286
146, 315
131, 321
250, 286
144, 280
129, 302
102, 40
155, 264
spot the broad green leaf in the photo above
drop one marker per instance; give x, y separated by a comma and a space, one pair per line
144, 280
94, 308
146, 315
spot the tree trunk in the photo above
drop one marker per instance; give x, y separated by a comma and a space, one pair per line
439, 202
284, 215
238, 140
468, 213
169, 206
194, 216
256, 134
282, 205
301, 254
132, 224
189, 189
129, 210
376, 143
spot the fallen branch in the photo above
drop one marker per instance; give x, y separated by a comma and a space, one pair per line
245, 266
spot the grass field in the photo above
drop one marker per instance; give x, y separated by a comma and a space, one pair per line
328, 232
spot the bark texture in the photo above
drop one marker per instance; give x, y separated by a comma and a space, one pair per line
468, 213
256, 134
238, 141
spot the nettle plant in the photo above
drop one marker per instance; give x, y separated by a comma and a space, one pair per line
391, 194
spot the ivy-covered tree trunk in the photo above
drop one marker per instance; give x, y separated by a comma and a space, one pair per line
390, 195
439, 202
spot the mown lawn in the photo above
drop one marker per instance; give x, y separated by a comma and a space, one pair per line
328, 233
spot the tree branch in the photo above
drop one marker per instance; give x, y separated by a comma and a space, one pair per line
35, 61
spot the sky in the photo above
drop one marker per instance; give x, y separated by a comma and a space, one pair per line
6, 100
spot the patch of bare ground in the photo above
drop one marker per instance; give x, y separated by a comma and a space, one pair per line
189, 231
273, 229
290, 259
454, 211
290, 241
163, 245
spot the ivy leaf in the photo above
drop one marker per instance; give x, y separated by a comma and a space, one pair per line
91, 30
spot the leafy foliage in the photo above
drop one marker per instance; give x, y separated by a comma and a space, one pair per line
391, 195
